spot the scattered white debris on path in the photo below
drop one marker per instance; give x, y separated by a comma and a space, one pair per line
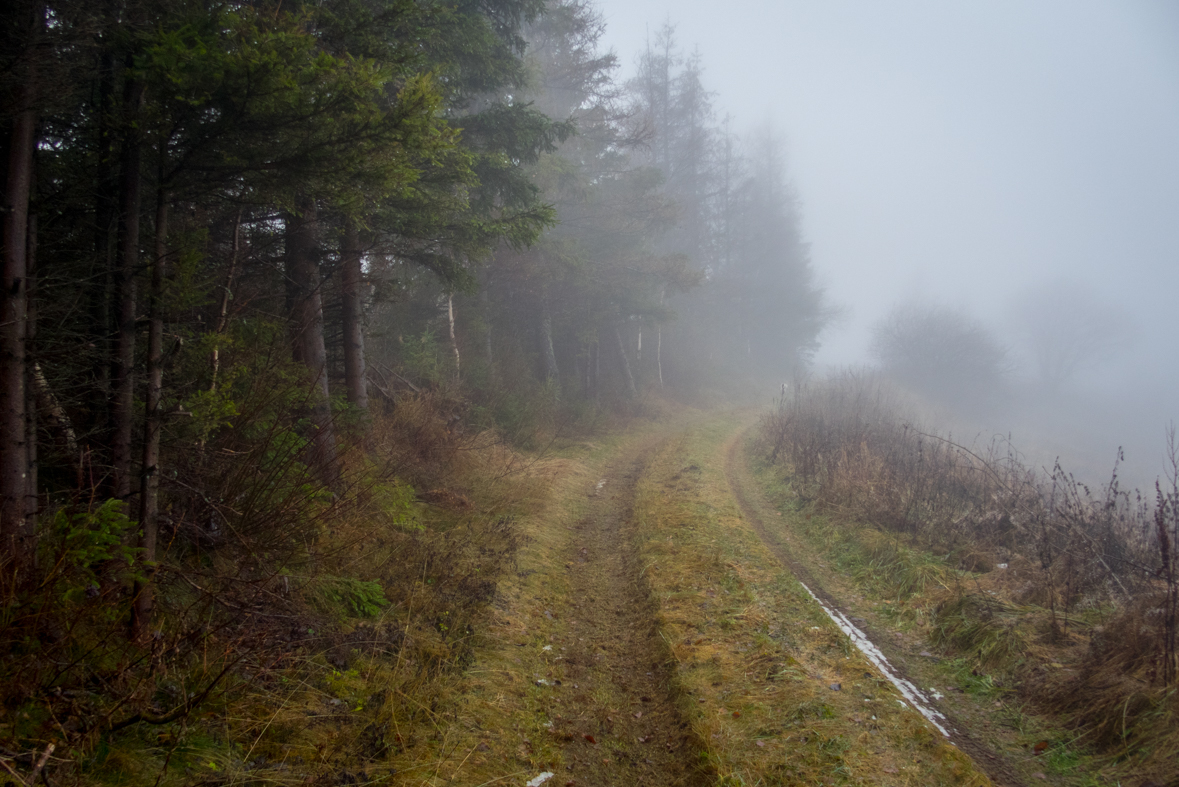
909, 691
539, 780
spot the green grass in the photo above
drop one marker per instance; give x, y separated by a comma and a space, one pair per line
987, 630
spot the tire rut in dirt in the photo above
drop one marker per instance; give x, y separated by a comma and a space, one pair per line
997, 769
616, 711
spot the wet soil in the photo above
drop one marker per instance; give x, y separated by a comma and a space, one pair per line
615, 708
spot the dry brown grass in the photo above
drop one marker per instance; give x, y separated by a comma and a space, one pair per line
1048, 584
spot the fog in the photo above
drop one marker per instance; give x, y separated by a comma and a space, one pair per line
978, 157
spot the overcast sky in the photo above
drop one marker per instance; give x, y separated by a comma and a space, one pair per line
958, 151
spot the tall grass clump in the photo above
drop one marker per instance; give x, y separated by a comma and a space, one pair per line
1053, 570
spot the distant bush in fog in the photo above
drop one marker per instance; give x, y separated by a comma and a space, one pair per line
941, 353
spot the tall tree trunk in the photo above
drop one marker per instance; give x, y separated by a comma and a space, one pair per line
149, 484
352, 302
16, 533
597, 365
106, 195
32, 499
488, 354
659, 352
659, 341
630, 380
307, 331
226, 295
123, 361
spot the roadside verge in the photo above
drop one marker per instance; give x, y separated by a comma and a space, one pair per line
771, 686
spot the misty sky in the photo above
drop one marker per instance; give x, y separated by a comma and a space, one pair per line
959, 151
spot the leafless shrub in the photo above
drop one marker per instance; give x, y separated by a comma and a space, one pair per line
1166, 533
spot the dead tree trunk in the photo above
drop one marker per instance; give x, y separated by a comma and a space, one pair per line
352, 303
307, 332
56, 419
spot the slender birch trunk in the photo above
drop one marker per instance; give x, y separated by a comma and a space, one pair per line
226, 296
352, 306
552, 374
630, 380
659, 353
56, 418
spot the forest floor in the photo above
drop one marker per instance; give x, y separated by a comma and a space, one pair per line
656, 632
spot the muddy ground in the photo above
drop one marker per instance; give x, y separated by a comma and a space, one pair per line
617, 709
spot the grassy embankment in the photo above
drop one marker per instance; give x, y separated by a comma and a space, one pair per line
773, 689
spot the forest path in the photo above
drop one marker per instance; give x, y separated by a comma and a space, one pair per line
572, 683
651, 637
618, 713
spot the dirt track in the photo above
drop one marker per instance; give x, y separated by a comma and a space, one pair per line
616, 710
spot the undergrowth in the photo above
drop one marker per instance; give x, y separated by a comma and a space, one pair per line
1065, 592
303, 632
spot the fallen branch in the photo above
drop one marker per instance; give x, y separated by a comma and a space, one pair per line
44, 758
